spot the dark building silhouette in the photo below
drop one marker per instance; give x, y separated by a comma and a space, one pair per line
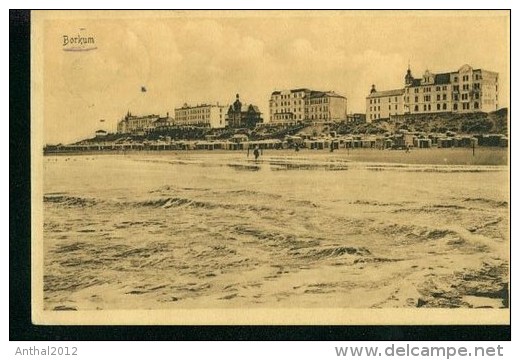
243, 115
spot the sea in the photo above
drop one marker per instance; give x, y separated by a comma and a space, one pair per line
289, 230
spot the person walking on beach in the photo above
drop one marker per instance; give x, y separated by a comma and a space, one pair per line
256, 152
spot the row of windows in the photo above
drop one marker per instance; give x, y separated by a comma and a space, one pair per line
288, 103
378, 101
466, 77
300, 102
444, 106
288, 96
427, 89
476, 86
285, 110
443, 97
319, 117
318, 109
317, 101
193, 111
378, 108
465, 96
324, 116
284, 116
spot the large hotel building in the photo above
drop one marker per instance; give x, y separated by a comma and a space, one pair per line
462, 91
207, 115
293, 106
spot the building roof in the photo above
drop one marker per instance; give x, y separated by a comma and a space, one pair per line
244, 108
395, 92
278, 92
441, 79
318, 94
186, 106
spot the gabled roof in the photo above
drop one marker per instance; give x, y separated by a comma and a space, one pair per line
245, 108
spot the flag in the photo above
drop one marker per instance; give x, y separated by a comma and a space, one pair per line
143, 89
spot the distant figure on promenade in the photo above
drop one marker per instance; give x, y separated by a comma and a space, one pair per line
256, 152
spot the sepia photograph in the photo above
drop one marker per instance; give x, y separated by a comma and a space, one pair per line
270, 167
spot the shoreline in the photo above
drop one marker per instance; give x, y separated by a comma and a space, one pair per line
432, 156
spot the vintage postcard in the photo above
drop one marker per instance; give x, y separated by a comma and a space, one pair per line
270, 167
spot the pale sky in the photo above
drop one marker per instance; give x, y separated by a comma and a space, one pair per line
199, 58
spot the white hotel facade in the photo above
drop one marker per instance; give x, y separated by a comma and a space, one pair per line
292, 106
463, 91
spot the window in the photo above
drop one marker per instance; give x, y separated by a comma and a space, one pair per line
444, 88
396, 107
455, 97
416, 108
438, 97
396, 99
389, 107
465, 87
455, 79
438, 88
438, 106
476, 105
477, 95
455, 87
417, 99
455, 107
443, 96
444, 106
424, 107
464, 96
429, 107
